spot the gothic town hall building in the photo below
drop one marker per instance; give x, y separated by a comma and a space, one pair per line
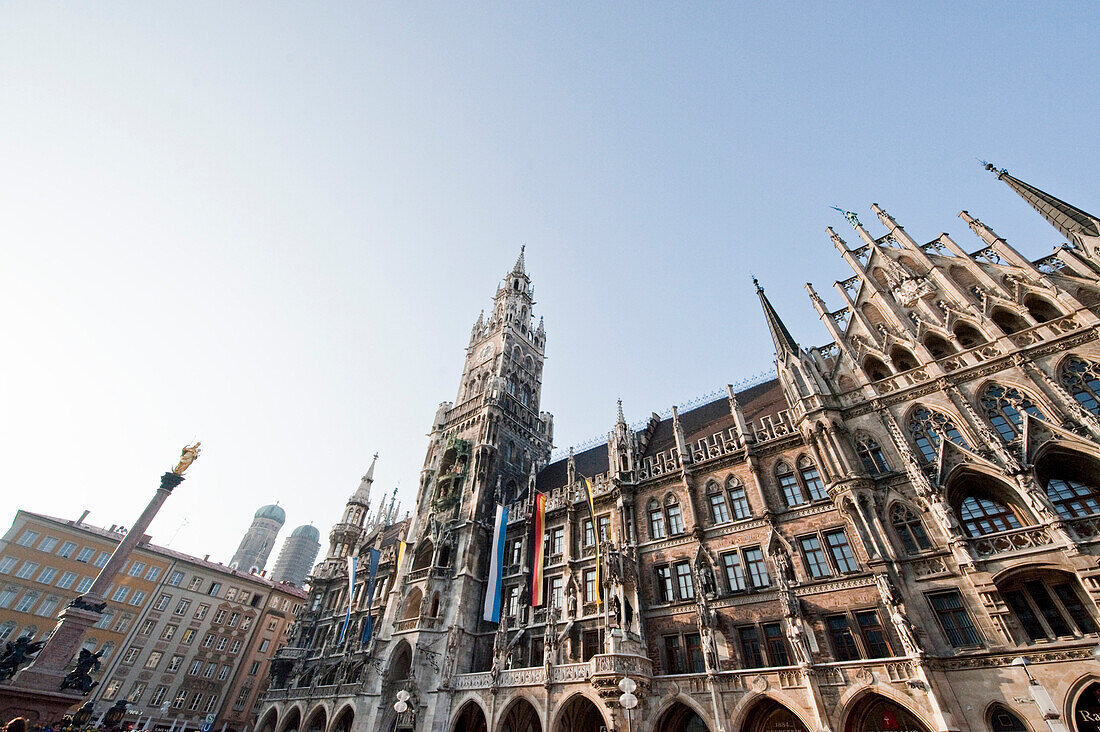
900, 532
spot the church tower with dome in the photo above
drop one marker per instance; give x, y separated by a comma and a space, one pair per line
256, 545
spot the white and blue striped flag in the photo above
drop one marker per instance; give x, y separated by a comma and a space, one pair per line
352, 561
496, 567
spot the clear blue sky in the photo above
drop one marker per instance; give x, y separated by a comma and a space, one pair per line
271, 225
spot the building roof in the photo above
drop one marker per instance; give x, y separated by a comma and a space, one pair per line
272, 511
309, 531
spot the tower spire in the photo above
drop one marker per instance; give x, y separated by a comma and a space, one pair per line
1072, 222
784, 342
520, 267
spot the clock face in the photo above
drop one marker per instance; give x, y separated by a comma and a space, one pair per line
487, 350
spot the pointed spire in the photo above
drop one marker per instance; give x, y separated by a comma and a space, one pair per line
621, 420
370, 471
1071, 221
362, 493
519, 268
784, 342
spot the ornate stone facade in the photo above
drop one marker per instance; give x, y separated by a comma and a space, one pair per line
864, 543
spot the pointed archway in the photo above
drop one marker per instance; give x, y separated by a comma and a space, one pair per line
317, 721
344, 719
1086, 709
681, 718
521, 716
579, 714
768, 715
470, 718
292, 722
875, 713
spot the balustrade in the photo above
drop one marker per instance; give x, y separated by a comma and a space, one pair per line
1029, 537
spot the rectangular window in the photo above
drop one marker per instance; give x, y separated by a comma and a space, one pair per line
758, 567
136, 692
7, 564
589, 585
138, 597
816, 564
147, 627
123, 622
7, 596
242, 699
739, 502
104, 619
154, 659
841, 552
152, 574
211, 703
665, 590
235, 647
112, 690
174, 663
604, 524
67, 580
136, 568
674, 655
1071, 601
188, 636
49, 605
215, 588
589, 534
684, 581
735, 572
792, 492
84, 585
131, 654
195, 583
210, 669
751, 654
954, 620
163, 601
196, 700
181, 697
208, 640
844, 645
254, 668
120, 594
47, 544
234, 618
27, 570
158, 695
102, 559
196, 668
777, 645
656, 524
264, 645
718, 509
66, 550
219, 617
814, 484
874, 637
175, 578
85, 555
675, 520
223, 673
26, 602
168, 632
556, 592
694, 653
46, 575
201, 611
181, 607
28, 538
231, 593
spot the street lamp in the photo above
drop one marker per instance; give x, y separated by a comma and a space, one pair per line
402, 704
627, 700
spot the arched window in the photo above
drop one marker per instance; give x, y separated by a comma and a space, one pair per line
1041, 309
1048, 605
983, 515
719, 509
876, 369
1002, 405
927, 429
938, 346
968, 336
674, 516
1008, 321
6, 630
792, 493
903, 359
910, 529
811, 481
1082, 379
1002, 719
1071, 483
871, 455
739, 501
656, 520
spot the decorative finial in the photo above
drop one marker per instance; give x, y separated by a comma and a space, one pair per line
850, 215
188, 455
991, 167
757, 283
621, 420
520, 268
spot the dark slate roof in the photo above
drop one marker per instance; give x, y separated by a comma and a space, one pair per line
698, 423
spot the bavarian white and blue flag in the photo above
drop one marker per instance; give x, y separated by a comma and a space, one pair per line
496, 567
372, 574
352, 561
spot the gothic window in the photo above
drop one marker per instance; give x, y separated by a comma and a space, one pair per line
871, 455
739, 502
985, 515
1001, 719
1041, 309
719, 509
910, 529
674, 516
1008, 321
968, 335
1002, 407
938, 346
1071, 483
792, 493
1082, 379
811, 481
928, 428
1048, 605
656, 520
876, 369
903, 359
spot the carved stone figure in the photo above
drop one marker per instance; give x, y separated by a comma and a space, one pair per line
572, 602
80, 678
81, 604
16, 653
616, 612
188, 455
710, 586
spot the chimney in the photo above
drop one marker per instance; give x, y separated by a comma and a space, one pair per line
206, 558
82, 517
113, 527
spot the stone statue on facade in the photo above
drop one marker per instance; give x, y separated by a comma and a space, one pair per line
16, 653
903, 626
80, 678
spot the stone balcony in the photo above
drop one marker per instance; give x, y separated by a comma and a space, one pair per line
1016, 540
